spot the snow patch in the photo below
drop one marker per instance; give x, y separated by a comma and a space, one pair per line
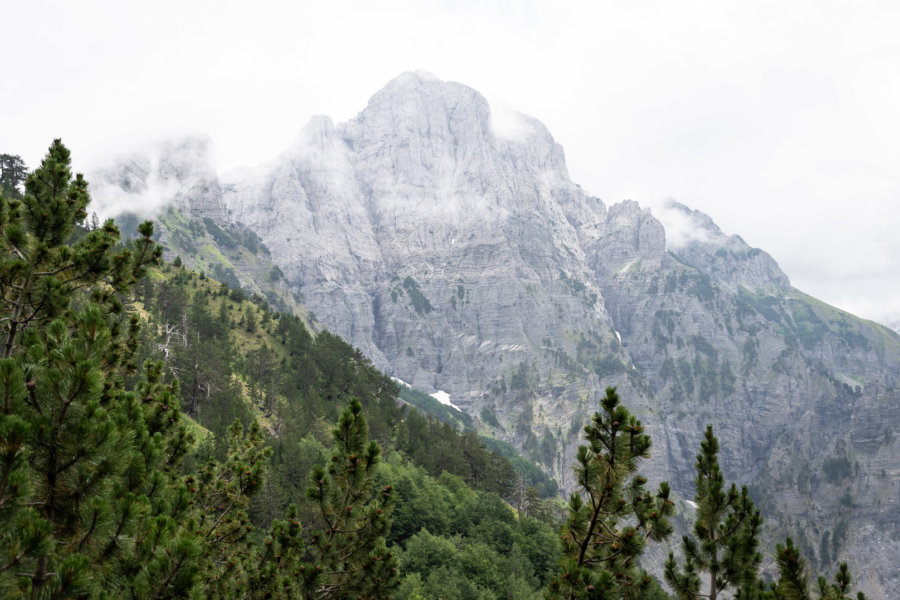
444, 398
440, 395
467, 340
486, 346
618, 336
692, 504
401, 382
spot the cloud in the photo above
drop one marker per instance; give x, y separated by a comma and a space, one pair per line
109, 200
683, 225
510, 124
160, 174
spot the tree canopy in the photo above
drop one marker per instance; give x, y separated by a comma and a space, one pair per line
612, 514
12, 175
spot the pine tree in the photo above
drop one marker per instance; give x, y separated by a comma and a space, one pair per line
93, 501
236, 563
40, 272
90, 493
347, 557
612, 515
340, 554
12, 175
792, 578
726, 535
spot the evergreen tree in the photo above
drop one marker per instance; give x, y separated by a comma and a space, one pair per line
40, 271
90, 493
92, 498
611, 516
341, 553
12, 175
250, 319
236, 563
347, 556
792, 578
726, 535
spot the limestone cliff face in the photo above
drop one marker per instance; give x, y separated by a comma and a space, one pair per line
433, 243
454, 250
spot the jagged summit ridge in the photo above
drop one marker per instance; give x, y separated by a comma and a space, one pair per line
420, 185
423, 163
727, 259
440, 135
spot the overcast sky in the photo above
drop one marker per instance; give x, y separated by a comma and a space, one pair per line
780, 119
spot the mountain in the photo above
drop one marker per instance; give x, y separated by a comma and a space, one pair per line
452, 248
175, 184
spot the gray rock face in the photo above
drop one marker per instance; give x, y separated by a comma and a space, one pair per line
455, 251
427, 240
727, 260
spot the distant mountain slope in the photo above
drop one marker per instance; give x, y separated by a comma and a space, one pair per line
458, 255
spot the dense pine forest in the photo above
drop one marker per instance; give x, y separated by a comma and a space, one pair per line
162, 435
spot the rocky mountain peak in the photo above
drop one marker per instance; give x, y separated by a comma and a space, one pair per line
418, 104
631, 234
726, 259
419, 93
318, 129
446, 135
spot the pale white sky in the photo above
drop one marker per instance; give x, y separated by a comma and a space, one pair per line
779, 119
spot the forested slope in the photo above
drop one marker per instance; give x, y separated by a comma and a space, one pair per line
235, 358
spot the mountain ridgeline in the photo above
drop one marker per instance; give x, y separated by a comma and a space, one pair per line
454, 251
